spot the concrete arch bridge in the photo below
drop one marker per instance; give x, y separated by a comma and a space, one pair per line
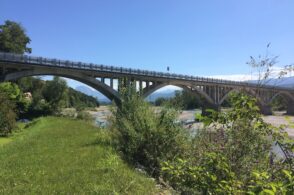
108, 79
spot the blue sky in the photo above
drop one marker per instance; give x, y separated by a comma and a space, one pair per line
192, 37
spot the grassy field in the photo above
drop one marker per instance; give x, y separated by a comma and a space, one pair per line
63, 156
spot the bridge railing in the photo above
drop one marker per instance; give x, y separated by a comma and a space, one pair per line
17, 58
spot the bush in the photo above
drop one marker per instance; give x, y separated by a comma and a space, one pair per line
212, 175
144, 137
243, 137
69, 112
160, 101
14, 94
182, 99
232, 155
7, 115
83, 115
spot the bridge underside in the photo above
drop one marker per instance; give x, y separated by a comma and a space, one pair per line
90, 81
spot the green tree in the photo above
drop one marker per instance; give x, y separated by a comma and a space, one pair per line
14, 94
160, 101
7, 114
26, 84
12, 90
51, 96
55, 93
13, 38
182, 99
190, 101
144, 137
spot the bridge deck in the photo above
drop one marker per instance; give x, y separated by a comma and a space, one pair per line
50, 62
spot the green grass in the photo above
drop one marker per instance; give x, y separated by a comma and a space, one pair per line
290, 122
64, 156
4, 140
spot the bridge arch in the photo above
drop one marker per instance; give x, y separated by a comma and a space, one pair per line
90, 81
284, 94
287, 101
149, 91
239, 90
227, 95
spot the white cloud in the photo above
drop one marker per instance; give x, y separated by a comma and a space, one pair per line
275, 71
169, 88
234, 77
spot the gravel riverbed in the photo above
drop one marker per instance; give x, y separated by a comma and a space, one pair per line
103, 113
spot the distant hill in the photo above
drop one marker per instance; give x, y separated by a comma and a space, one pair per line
164, 93
94, 93
283, 82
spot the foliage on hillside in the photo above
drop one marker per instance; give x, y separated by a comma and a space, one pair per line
49, 97
279, 104
32, 97
182, 99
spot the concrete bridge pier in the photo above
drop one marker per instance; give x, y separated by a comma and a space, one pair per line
111, 83
211, 106
290, 108
2, 74
265, 109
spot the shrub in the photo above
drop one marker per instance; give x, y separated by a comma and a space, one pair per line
69, 112
14, 94
182, 99
7, 115
210, 175
235, 143
241, 134
144, 137
160, 101
83, 115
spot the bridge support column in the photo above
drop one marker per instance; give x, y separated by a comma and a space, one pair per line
140, 86
211, 106
265, 109
147, 84
111, 83
2, 74
290, 108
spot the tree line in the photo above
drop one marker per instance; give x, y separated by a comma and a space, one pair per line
187, 101
184, 100
32, 97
